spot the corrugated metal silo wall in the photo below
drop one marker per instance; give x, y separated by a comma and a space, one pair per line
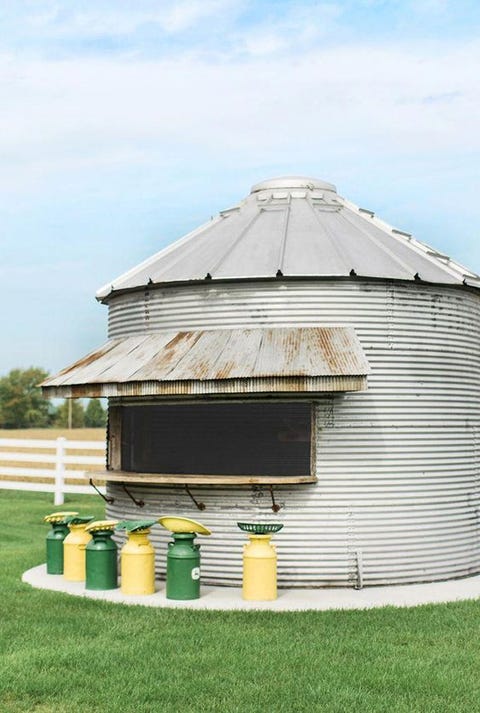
398, 466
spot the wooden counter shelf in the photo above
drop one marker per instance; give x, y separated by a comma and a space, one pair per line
122, 476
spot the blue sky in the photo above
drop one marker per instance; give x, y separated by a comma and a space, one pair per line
123, 125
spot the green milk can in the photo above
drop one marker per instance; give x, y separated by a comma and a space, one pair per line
183, 556
183, 567
101, 556
55, 538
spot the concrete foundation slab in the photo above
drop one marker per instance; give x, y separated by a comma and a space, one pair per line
230, 598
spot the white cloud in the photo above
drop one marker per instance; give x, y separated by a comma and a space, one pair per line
61, 115
299, 26
184, 15
122, 18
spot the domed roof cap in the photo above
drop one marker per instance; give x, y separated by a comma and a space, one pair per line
292, 182
294, 227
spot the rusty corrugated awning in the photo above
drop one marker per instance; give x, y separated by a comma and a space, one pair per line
224, 361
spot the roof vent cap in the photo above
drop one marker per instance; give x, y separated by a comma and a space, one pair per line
292, 182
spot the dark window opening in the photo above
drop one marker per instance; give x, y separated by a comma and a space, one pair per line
218, 439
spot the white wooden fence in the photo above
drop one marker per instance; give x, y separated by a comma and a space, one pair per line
54, 454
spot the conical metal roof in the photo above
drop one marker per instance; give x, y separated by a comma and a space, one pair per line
294, 227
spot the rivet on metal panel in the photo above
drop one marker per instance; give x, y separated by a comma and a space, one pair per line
200, 506
138, 503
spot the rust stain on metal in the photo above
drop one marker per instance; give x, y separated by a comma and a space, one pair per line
201, 370
179, 339
172, 353
341, 353
220, 361
333, 357
94, 391
226, 370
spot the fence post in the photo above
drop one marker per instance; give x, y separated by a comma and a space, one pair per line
59, 471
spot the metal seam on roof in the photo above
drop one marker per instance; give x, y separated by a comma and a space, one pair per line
233, 245
416, 245
110, 286
408, 268
327, 231
283, 244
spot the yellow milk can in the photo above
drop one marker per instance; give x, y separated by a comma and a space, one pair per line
259, 562
74, 548
137, 561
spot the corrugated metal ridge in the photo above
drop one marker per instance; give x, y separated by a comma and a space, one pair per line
397, 466
267, 385
203, 361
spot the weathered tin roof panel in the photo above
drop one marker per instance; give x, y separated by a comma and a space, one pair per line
250, 360
294, 227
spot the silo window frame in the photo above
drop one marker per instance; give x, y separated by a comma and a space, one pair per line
294, 447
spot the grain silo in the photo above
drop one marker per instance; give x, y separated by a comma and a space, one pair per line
297, 359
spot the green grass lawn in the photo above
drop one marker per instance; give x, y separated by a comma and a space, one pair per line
60, 654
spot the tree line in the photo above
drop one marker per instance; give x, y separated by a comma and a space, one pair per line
23, 406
